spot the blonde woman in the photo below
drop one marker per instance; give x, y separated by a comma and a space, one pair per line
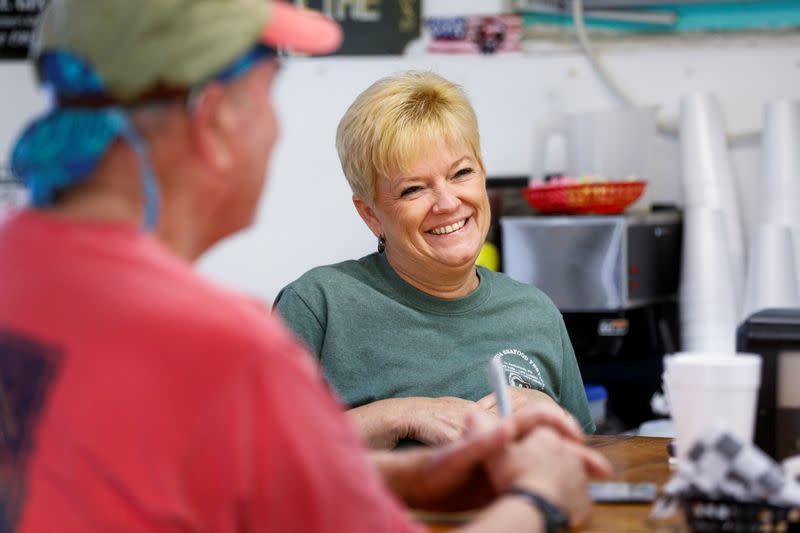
404, 334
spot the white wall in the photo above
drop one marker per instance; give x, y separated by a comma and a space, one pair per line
19, 100
306, 217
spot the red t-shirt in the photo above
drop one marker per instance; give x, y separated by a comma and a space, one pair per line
144, 398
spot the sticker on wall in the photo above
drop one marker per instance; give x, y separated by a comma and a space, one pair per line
17, 21
475, 34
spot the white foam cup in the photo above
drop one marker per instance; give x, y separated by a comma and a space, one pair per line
712, 389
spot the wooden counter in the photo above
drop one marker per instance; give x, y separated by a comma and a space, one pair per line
635, 459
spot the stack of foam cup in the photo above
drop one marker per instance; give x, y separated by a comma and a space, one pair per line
773, 274
712, 270
771, 271
708, 303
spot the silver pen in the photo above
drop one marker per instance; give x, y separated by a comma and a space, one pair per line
497, 379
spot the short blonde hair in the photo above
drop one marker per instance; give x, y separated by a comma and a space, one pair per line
391, 124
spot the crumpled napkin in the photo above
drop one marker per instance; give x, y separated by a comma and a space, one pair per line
721, 466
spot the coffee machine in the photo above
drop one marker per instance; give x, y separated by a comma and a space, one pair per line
615, 280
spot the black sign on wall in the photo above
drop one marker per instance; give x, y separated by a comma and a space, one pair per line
17, 21
372, 27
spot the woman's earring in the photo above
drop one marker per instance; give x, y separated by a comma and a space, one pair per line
381, 244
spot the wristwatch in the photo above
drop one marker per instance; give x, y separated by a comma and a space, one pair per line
555, 520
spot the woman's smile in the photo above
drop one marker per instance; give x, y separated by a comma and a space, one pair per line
449, 229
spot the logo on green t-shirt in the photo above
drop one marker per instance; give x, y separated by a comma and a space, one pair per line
521, 370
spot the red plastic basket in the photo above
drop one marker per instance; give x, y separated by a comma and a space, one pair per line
602, 198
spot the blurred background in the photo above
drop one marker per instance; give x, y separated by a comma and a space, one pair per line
597, 90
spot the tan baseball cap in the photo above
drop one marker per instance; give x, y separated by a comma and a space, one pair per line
135, 45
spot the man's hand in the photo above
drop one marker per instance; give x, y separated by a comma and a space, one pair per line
555, 468
547, 458
446, 478
472, 471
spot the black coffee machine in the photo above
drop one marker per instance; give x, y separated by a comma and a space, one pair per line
615, 280
775, 335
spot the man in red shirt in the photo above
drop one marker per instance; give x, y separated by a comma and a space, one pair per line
136, 395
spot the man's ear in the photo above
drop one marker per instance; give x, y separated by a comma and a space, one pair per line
213, 120
368, 216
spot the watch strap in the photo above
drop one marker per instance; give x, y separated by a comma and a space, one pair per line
555, 519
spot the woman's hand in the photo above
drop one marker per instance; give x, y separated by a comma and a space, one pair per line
428, 420
520, 398
439, 420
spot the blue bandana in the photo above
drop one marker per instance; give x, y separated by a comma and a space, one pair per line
63, 147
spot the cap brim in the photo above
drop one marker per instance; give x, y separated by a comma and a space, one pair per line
301, 30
